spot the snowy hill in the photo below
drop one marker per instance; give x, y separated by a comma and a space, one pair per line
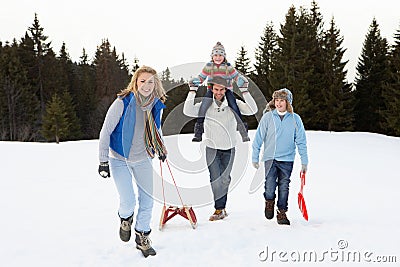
57, 211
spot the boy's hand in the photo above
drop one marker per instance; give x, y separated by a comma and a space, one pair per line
303, 168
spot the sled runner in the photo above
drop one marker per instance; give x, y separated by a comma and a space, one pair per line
170, 212
300, 198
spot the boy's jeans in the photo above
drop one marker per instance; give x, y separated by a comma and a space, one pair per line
220, 164
278, 174
123, 173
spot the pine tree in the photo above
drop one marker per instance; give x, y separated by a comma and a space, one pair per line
135, 65
66, 69
391, 91
265, 52
74, 131
313, 30
19, 105
166, 80
291, 68
41, 48
372, 73
242, 62
112, 76
86, 97
338, 99
55, 121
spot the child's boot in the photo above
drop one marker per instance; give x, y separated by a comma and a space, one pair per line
269, 209
281, 217
198, 132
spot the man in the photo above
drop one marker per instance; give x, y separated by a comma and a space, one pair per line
220, 132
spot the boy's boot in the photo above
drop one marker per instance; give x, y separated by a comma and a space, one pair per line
243, 130
281, 217
198, 131
125, 229
143, 243
269, 209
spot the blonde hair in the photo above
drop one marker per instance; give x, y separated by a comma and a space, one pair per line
132, 86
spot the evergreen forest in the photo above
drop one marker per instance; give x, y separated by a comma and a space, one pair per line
47, 97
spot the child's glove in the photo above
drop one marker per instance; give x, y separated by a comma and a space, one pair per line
256, 165
194, 83
243, 89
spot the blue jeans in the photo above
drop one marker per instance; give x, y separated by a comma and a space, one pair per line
220, 164
123, 173
278, 174
207, 101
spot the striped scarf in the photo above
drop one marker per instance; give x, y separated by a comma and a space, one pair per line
152, 138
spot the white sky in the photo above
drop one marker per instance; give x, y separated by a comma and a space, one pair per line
161, 36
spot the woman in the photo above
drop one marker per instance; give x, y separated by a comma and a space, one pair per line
129, 139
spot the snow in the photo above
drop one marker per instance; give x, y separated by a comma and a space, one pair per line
57, 211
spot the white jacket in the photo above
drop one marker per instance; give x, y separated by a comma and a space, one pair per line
220, 123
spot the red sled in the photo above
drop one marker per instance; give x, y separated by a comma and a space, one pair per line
185, 212
300, 197
170, 212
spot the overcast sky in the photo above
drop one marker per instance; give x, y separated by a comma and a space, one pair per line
169, 33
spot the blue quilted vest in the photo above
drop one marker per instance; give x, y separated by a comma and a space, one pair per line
121, 137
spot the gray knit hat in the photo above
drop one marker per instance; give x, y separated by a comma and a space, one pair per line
219, 80
218, 49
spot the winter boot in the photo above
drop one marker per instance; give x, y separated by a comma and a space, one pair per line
198, 132
281, 217
143, 243
243, 130
269, 209
218, 215
125, 229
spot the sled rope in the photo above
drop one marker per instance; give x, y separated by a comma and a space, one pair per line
173, 179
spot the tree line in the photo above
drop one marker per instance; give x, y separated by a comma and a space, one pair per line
45, 96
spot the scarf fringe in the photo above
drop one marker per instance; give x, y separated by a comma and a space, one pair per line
152, 138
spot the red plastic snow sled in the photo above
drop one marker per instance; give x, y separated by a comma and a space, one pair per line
170, 212
300, 199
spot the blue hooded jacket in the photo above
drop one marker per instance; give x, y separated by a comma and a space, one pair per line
121, 137
280, 138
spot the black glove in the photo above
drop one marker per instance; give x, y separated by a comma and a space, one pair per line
162, 157
104, 169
